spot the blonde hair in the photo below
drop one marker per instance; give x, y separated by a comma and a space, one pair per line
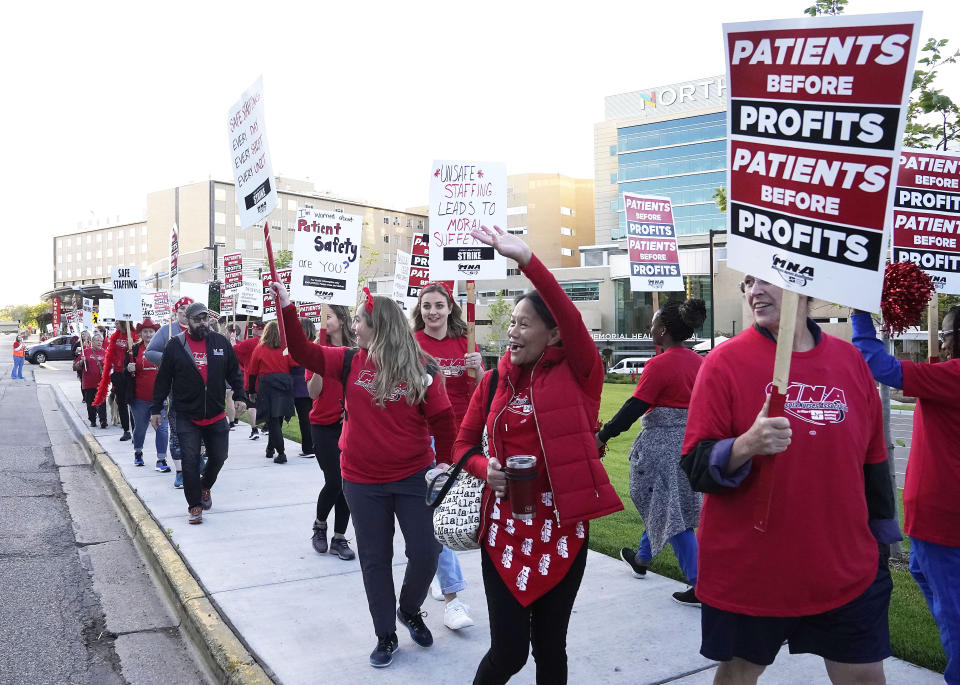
396, 353
271, 335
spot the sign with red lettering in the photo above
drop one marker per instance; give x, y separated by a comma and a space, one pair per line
269, 305
232, 271
926, 215
314, 312
463, 197
55, 311
174, 256
250, 157
816, 110
652, 244
326, 257
226, 304
420, 267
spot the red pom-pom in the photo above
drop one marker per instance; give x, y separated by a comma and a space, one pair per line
906, 291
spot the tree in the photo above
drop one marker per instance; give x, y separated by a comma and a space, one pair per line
829, 7
499, 312
720, 197
283, 259
927, 100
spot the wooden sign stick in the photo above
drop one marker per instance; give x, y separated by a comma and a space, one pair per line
765, 466
656, 308
471, 322
933, 329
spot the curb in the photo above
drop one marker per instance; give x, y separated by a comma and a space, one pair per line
224, 653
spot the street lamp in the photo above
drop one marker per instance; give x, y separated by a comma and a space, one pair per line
713, 317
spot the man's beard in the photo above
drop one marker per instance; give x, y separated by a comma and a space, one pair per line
198, 331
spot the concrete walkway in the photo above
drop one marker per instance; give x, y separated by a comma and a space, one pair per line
304, 616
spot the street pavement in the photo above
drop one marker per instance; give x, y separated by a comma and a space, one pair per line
305, 618
78, 605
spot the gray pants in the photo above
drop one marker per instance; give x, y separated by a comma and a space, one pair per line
373, 508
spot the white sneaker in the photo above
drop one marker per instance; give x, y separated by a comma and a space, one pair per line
455, 615
435, 590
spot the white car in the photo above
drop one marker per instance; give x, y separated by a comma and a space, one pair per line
629, 365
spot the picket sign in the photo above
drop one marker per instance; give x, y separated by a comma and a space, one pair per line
471, 322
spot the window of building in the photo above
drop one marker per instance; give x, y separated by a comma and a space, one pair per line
99, 254
89, 271
100, 237
236, 220
613, 150
386, 258
409, 223
396, 221
566, 251
68, 242
59, 258
239, 243
69, 273
386, 221
566, 211
257, 244
613, 179
109, 237
420, 224
220, 194
89, 238
131, 249
109, 252
586, 291
143, 247
592, 258
59, 243
521, 209
131, 232
69, 257
219, 218
566, 231
291, 205
373, 287
386, 238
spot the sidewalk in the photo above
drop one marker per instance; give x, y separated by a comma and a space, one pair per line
304, 616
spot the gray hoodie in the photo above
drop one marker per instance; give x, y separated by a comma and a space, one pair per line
154, 351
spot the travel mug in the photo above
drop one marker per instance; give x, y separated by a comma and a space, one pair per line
521, 473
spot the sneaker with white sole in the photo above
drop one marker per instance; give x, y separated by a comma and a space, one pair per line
178, 480
341, 548
630, 559
162, 466
196, 515
435, 590
254, 434
456, 615
688, 598
382, 654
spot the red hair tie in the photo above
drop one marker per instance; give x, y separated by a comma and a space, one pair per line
369, 304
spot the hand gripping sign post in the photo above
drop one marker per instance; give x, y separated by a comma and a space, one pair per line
816, 110
326, 251
926, 223
464, 196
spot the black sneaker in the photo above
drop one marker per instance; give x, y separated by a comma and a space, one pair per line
269, 453
126, 436
341, 548
382, 654
419, 632
630, 559
320, 539
281, 458
688, 598
103, 424
254, 434
93, 424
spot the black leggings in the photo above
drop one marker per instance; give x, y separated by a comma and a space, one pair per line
303, 406
275, 440
120, 394
327, 449
513, 627
94, 413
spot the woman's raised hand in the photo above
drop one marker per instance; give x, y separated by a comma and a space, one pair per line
505, 243
280, 294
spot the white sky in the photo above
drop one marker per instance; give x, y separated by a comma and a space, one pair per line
104, 102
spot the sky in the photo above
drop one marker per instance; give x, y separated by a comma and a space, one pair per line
105, 102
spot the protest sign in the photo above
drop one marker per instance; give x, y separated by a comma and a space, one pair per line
926, 215
105, 313
127, 301
233, 271
815, 115
250, 299
174, 256
401, 278
252, 169
55, 312
227, 304
269, 306
464, 196
87, 314
311, 311
161, 304
326, 251
148, 306
652, 244
420, 267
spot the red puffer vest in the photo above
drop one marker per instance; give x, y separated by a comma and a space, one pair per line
566, 420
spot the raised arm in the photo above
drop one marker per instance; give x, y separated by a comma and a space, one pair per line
308, 354
884, 366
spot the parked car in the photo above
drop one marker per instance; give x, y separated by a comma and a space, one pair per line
629, 365
58, 348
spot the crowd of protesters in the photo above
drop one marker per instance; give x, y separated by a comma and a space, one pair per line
810, 527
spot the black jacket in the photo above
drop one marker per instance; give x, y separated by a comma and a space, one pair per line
192, 398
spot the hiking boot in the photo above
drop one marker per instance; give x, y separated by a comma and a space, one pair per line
206, 501
126, 436
281, 458
419, 632
178, 480
162, 466
254, 434
688, 598
320, 539
630, 559
138, 458
382, 654
341, 548
196, 515
456, 615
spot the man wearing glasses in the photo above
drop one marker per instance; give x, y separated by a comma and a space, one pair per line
195, 369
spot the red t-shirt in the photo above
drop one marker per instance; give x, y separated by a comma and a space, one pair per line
817, 553
667, 379
266, 360
931, 491
199, 350
382, 444
94, 370
244, 350
328, 405
450, 355
146, 376
530, 556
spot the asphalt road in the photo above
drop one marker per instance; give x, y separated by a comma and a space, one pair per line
77, 604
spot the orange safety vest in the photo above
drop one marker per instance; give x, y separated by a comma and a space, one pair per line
18, 349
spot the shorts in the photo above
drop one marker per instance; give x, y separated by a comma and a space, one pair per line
856, 633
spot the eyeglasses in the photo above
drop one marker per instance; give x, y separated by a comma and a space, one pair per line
199, 318
943, 335
749, 282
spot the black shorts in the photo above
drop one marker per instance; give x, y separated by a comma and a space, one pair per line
856, 633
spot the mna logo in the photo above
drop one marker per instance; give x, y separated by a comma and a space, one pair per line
323, 294
656, 283
469, 269
792, 272
939, 282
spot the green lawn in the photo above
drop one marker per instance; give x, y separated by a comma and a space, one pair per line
912, 631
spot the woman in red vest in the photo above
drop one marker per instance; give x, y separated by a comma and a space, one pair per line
546, 404
19, 350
